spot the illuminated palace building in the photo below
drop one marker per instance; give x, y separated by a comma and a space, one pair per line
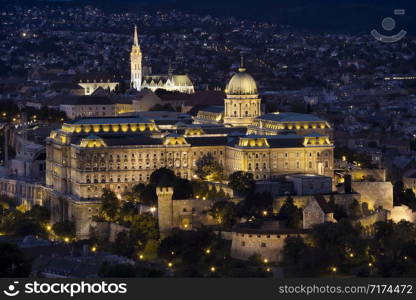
86, 155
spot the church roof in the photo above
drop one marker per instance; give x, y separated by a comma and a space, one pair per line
181, 80
161, 80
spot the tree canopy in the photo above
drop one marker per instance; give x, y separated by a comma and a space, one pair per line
110, 204
241, 182
207, 167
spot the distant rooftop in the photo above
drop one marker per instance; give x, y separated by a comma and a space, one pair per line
214, 109
290, 117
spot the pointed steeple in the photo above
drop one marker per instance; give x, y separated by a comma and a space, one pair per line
136, 37
170, 69
242, 69
136, 62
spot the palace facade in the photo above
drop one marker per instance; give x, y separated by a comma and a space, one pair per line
88, 154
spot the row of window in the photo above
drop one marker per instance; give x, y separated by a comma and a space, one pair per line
126, 178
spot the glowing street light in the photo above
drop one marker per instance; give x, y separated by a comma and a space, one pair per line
170, 265
66, 240
93, 249
208, 251
265, 212
266, 261
141, 256
213, 269
334, 269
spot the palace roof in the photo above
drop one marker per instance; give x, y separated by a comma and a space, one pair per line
109, 120
290, 117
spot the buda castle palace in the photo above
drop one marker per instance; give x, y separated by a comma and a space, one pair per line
88, 154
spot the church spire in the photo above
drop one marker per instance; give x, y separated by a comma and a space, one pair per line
136, 62
136, 37
170, 69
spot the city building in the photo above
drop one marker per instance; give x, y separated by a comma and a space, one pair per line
86, 155
170, 82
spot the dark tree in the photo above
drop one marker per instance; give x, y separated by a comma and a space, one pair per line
28, 227
187, 245
124, 245
64, 229
148, 196
13, 262
182, 189
293, 250
144, 227
207, 167
110, 204
225, 213
128, 210
255, 203
162, 177
291, 214
39, 214
242, 182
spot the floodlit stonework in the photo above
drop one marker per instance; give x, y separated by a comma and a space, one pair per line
170, 82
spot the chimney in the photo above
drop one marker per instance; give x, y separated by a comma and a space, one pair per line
347, 184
